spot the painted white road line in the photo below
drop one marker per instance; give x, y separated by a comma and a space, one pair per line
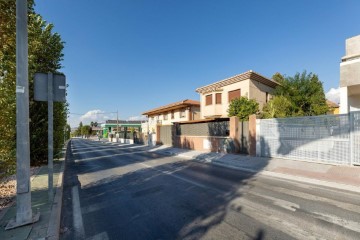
100, 236
77, 217
182, 178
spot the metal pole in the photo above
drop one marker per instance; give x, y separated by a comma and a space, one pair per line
23, 199
23, 190
50, 135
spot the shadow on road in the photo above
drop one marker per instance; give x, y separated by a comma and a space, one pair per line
158, 197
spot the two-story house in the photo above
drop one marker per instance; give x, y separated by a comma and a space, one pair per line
215, 97
185, 110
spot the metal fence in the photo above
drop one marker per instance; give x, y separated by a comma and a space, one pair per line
166, 135
329, 139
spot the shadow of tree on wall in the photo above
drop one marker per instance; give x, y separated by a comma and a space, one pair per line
159, 198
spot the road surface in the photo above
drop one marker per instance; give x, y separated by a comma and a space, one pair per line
125, 192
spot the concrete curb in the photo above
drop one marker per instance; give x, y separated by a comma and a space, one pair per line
55, 216
323, 183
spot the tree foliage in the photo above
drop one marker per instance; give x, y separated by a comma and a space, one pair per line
277, 107
45, 55
242, 108
301, 95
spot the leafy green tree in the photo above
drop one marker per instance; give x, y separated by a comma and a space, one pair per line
277, 107
301, 95
78, 130
242, 108
86, 130
45, 55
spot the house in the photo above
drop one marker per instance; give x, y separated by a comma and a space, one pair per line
215, 97
333, 107
350, 76
185, 110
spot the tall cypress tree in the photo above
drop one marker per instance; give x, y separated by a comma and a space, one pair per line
45, 55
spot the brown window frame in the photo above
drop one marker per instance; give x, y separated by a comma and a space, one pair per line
230, 93
172, 114
207, 101
218, 98
165, 116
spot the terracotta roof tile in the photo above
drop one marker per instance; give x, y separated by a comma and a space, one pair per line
237, 78
180, 104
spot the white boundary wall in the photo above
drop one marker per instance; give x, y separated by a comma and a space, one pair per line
333, 139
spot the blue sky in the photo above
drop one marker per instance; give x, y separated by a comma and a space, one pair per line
134, 55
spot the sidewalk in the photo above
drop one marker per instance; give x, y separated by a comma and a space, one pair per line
341, 177
48, 225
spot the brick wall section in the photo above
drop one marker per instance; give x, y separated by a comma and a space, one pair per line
252, 135
197, 143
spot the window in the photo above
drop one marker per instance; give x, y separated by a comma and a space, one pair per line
218, 98
172, 115
182, 113
165, 116
208, 99
268, 97
234, 94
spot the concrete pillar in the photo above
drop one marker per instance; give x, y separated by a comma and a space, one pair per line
344, 100
252, 135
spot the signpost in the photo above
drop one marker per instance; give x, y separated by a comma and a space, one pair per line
51, 88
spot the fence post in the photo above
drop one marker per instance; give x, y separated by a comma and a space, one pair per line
351, 132
258, 134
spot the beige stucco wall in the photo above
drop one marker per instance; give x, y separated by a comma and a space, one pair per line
350, 76
258, 92
350, 73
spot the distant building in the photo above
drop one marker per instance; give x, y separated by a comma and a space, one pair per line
215, 97
333, 107
111, 126
185, 110
350, 76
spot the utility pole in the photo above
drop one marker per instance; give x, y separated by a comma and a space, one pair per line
24, 213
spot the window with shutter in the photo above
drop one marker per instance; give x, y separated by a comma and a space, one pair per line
234, 94
208, 99
218, 98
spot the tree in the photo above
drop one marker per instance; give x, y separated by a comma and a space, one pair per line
242, 108
45, 54
277, 107
86, 130
78, 130
304, 96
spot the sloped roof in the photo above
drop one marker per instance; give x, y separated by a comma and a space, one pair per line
172, 106
331, 104
123, 122
237, 78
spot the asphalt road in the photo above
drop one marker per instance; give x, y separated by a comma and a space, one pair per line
124, 192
